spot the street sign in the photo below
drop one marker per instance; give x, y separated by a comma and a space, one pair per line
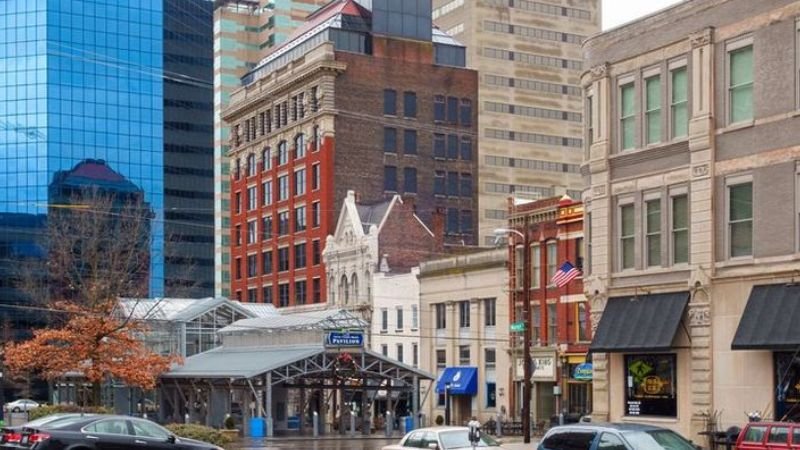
518, 327
344, 339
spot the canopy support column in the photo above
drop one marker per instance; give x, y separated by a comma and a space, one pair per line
268, 406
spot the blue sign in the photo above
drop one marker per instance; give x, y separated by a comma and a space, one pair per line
345, 339
583, 372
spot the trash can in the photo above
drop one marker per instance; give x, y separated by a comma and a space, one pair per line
258, 427
408, 424
293, 423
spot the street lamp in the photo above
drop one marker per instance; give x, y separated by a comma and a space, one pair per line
447, 403
526, 337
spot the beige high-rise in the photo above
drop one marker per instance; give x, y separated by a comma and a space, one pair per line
530, 116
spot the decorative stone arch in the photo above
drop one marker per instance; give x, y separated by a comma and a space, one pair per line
344, 291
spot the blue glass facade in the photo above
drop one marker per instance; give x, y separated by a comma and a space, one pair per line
79, 79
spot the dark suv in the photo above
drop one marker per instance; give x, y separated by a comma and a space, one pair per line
613, 436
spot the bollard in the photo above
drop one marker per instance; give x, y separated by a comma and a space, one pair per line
315, 419
499, 426
352, 423
389, 424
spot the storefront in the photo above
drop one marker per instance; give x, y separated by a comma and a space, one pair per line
458, 385
579, 386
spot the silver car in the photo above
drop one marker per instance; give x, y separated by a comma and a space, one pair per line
442, 438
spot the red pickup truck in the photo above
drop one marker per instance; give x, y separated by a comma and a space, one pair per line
769, 436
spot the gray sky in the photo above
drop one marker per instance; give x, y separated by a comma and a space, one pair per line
617, 12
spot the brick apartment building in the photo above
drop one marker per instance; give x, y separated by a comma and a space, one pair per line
559, 315
347, 103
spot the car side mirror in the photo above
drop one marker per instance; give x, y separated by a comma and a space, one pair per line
171, 439
433, 446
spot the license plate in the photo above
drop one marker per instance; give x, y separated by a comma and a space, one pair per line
24, 439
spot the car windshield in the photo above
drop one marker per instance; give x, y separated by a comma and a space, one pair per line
460, 439
657, 440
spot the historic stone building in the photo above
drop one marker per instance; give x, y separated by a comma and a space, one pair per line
692, 178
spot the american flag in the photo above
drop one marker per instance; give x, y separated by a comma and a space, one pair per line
566, 273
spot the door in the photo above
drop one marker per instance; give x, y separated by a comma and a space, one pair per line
778, 438
110, 434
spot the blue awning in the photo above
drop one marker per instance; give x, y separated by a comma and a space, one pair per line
463, 381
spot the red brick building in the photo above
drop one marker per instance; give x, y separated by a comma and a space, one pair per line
347, 103
559, 317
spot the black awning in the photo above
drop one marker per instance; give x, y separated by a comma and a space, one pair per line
639, 323
771, 319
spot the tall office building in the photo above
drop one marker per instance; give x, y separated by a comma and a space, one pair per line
528, 55
244, 32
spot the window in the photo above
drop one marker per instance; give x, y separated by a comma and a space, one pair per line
315, 177
238, 269
652, 115
409, 104
389, 102
238, 234
266, 192
452, 220
252, 198
251, 165
410, 142
778, 435
384, 350
463, 314
452, 146
399, 319
300, 292
583, 336
283, 223
300, 218
680, 229
466, 149
441, 359
491, 394
316, 254
679, 103
653, 232
283, 259
489, 358
740, 87
519, 266
390, 140
237, 202
651, 388
283, 153
414, 317
466, 185
589, 125
552, 323
300, 146
627, 249
579, 252
252, 232
415, 354
384, 320
740, 219
294, 108
300, 182
111, 426
452, 110
627, 116
410, 180
390, 178
552, 260
610, 442
536, 329
463, 355
283, 295
438, 146
317, 287
301, 107
314, 98
400, 352
466, 221
441, 316
452, 183
300, 256
283, 187
252, 267
466, 112
266, 263
536, 266
315, 215
490, 312
439, 183
438, 108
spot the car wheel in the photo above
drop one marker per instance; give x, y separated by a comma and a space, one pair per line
16, 409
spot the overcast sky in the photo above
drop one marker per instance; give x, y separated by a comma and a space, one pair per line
617, 12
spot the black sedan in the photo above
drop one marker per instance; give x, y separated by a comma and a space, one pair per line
11, 436
107, 432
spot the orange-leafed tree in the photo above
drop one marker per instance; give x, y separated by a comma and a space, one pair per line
98, 250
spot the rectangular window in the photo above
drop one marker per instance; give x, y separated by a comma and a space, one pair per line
452, 110
390, 178
400, 352
536, 266
466, 221
237, 202
519, 266
680, 229
385, 350
740, 87
441, 359
466, 185
409, 104
300, 256
317, 287
389, 102
266, 295
283, 153
489, 358
452, 220
238, 234
583, 336
300, 218
316, 138
415, 354
252, 266
441, 316
463, 355
439, 183
589, 125
410, 142
536, 329
414, 317
652, 115
410, 180
301, 107
316, 215
438, 108
651, 385
399, 319
283, 259
266, 192
490, 312
466, 112
466, 149
740, 219
452, 183
452, 146
552, 260
266, 263
579, 252
283, 187
653, 232
314, 98
283, 295
283, 223
252, 295
315, 177
627, 116
627, 237
463, 314
300, 182
300, 292
552, 324
384, 320
390, 140
238, 269
252, 198
439, 146
679, 103
252, 232
316, 253
491, 394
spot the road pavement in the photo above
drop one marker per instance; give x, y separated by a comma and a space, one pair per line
345, 443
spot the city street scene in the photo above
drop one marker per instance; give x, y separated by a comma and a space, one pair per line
400, 224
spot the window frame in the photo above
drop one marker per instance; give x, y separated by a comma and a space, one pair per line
656, 112
730, 183
464, 313
675, 193
409, 96
620, 247
647, 200
399, 319
536, 265
552, 266
490, 312
623, 83
390, 102
733, 46
672, 68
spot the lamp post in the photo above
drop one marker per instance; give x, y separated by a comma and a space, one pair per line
526, 336
447, 403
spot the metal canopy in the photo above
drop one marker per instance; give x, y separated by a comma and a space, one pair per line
769, 321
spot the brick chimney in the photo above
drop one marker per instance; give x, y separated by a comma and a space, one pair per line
437, 226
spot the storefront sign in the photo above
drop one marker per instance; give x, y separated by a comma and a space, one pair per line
651, 385
582, 372
344, 339
543, 367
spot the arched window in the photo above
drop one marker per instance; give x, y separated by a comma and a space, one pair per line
251, 164
368, 298
344, 292
354, 288
332, 290
300, 146
283, 153
266, 158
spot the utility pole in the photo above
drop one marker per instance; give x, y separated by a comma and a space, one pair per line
526, 312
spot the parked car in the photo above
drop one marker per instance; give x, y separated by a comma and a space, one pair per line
21, 405
442, 438
614, 436
11, 436
769, 435
102, 432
